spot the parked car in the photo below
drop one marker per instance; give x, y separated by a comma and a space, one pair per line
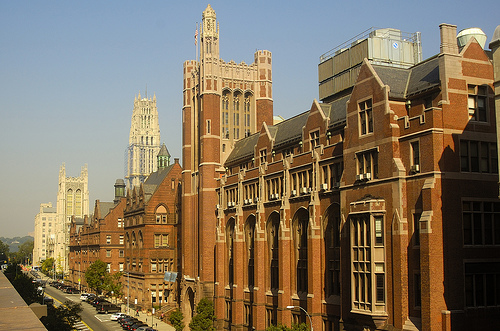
107, 307
48, 301
84, 296
134, 327
145, 328
116, 316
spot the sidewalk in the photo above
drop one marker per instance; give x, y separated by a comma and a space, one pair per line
157, 323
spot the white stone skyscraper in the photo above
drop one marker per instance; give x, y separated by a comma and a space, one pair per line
144, 141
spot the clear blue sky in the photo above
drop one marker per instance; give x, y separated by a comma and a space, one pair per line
69, 71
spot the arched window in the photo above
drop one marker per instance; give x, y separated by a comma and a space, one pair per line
78, 203
246, 114
69, 202
273, 229
225, 115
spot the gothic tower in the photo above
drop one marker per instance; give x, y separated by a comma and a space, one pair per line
223, 102
144, 141
72, 200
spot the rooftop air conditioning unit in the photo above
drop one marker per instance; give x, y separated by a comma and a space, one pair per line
293, 193
359, 177
324, 187
256, 200
217, 206
246, 201
368, 176
415, 168
303, 190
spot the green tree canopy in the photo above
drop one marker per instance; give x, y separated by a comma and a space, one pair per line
99, 279
204, 318
176, 318
4, 252
96, 276
48, 265
25, 251
62, 318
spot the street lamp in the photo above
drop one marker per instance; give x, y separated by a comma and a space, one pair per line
305, 311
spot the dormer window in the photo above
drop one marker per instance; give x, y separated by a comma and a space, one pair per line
477, 103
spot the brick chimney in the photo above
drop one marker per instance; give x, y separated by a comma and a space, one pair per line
448, 39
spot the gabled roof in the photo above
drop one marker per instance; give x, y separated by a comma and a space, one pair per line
154, 180
105, 207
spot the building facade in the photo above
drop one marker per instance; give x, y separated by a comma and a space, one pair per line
151, 241
45, 232
101, 237
72, 201
223, 102
376, 209
144, 141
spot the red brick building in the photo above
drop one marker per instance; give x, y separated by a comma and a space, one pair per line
223, 102
376, 209
151, 221
101, 238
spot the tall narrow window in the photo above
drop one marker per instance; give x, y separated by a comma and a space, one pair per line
250, 246
366, 117
246, 115
236, 115
477, 103
273, 235
301, 244
415, 156
225, 115
314, 139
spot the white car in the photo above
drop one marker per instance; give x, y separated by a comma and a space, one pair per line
84, 296
116, 316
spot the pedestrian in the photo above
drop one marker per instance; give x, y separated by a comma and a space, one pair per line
137, 313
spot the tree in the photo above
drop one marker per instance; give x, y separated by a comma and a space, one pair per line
48, 265
204, 318
96, 276
4, 252
23, 284
99, 279
25, 251
62, 318
295, 327
176, 318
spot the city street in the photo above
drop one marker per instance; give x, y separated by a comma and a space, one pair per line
93, 321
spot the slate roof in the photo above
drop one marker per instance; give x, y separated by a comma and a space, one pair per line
403, 83
105, 207
407, 82
154, 180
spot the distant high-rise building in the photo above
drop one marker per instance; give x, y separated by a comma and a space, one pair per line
72, 200
144, 141
45, 232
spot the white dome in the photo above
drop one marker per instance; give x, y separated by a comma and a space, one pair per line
465, 35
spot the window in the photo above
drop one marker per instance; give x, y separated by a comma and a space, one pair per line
331, 174
416, 229
301, 247
368, 273
367, 164
273, 235
314, 139
481, 223
478, 156
263, 156
482, 284
120, 223
209, 128
108, 239
108, 267
477, 103
108, 253
417, 289
161, 240
415, 157
366, 117
121, 254
121, 239
153, 266
274, 187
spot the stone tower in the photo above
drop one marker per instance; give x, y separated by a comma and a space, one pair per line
223, 102
144, 141
72, 200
